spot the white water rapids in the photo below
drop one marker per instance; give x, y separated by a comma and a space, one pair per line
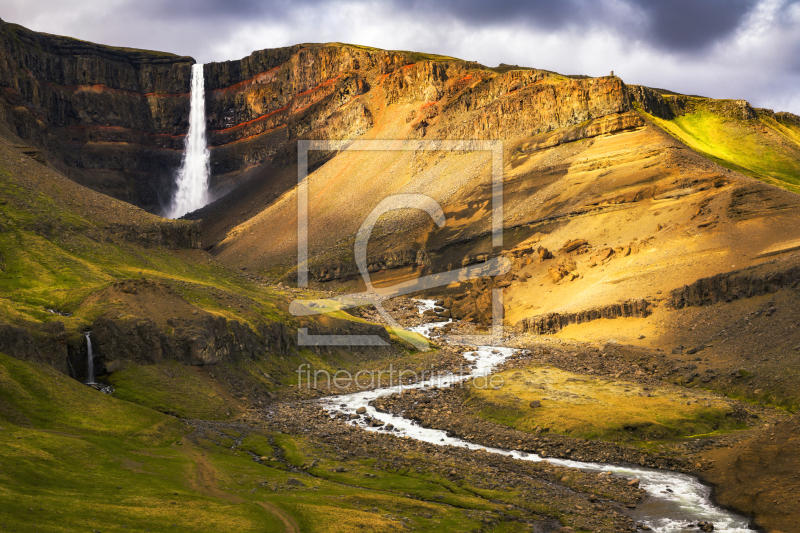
192, 179
674, 500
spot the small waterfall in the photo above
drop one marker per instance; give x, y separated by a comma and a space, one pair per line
89, 360
192, 179
73, 374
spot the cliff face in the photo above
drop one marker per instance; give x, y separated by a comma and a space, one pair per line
111, 118
303, 91
114, 119
258, 107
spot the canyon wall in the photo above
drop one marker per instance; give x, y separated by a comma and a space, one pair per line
112, 119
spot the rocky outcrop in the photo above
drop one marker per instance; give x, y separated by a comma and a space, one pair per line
613, 123
669, 106
783, 116
168, 234
18, 342
650, 101
258, 105
204, 340
42, 343
554, 322
735, 285
342, 270
200, 340
111, 118
528, 103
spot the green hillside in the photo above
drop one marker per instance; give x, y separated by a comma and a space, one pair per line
766, 147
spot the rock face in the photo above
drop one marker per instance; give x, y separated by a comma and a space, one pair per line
553, 322
730, 286
377, 263
200, 340
650, 101
111, 118
43, 343
169, 234
204, 340
114, 119
672, 105
260, 104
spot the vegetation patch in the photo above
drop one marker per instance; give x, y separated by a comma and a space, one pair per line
599, 408
170, 388
762, 148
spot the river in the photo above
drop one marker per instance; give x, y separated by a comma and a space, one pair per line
674, 500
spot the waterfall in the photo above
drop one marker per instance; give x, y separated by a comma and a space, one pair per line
89, 360
192, 179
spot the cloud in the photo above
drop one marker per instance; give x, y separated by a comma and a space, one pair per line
721, 48
693, 25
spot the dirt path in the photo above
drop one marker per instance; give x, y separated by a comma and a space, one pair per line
205, 481
288, 521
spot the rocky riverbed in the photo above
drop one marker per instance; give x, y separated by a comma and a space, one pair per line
539, 495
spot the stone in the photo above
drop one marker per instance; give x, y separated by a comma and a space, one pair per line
633, 482
295, 482
534, 404
544, 254
361, 410
572, 245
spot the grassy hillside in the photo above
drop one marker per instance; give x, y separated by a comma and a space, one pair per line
765, 148
73, 459
56, 254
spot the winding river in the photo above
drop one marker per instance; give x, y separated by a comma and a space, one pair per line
675, 502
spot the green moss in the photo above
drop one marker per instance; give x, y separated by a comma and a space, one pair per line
597, 408
38, 396
170, 388
762, 148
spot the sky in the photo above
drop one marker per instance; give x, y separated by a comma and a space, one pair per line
744, 49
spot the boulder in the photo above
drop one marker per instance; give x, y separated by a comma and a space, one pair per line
572, 245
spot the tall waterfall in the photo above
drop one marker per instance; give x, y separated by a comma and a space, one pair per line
89, 360
192, 180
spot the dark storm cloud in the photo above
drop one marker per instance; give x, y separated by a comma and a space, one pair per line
180, 10
674, 25
693, 24
721, 48
541, 13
